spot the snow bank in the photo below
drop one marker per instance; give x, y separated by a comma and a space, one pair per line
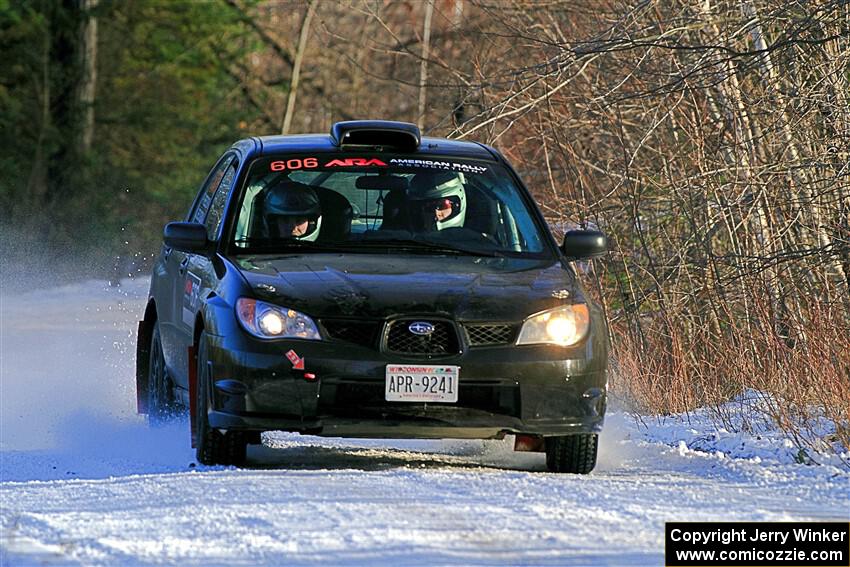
749, 435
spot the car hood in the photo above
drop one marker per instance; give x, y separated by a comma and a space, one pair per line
466, 288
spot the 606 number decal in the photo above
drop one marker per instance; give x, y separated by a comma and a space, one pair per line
294, 163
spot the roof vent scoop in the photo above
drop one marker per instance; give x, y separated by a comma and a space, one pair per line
397, 135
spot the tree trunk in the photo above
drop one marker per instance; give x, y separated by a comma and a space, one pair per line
88, 79
423, 69
37, 183
296, 67
65, 117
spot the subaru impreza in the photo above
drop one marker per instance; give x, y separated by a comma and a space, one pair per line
372, 282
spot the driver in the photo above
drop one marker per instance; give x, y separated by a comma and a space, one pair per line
437, 201
292, 210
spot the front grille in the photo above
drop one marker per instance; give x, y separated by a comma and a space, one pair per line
442, 341
480, 335
363, 333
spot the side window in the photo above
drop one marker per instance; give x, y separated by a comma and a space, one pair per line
204, 198
216, 208
247, 221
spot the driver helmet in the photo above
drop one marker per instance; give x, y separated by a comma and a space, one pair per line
292, 210
437, 200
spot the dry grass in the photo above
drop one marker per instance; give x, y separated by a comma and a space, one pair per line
668, 365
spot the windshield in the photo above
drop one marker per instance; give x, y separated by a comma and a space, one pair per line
363, 202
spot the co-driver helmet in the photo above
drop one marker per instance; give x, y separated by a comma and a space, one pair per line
431, 192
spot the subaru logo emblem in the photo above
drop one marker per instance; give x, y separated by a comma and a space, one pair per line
421, 328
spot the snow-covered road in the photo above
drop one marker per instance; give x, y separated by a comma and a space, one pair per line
84, 481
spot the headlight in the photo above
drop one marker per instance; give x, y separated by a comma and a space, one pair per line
563, 326
268, 321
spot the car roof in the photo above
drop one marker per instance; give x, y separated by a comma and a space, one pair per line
323, 143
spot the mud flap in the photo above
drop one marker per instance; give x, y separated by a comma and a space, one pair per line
308, 395
193, 388
143, 357
529, 443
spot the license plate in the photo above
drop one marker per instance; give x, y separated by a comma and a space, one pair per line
421, 383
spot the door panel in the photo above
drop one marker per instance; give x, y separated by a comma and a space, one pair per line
180, 294
195, 273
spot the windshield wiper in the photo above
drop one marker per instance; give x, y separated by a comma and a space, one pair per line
252, 244
425, 245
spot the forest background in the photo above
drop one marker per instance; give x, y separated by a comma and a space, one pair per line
709, 139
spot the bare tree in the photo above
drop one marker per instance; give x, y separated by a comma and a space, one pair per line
88, 80
423, 68
296, 66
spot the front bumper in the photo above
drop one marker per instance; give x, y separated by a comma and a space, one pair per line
540, 390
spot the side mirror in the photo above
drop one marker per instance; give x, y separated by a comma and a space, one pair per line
582, 244
187, 237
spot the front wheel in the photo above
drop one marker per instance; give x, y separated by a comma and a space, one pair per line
572, 453
212, 446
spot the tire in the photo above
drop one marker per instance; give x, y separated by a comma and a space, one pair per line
212, 446
162, 406
574, 454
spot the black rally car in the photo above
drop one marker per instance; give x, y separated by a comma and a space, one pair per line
372, 283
